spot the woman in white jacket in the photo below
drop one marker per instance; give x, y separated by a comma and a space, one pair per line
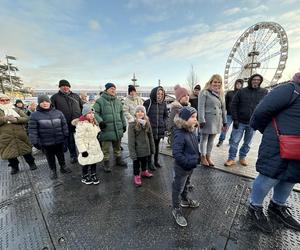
88, 146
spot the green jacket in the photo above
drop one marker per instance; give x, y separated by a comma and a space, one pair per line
109, 109
14, 141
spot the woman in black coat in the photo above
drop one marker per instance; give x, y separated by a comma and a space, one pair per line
276, 173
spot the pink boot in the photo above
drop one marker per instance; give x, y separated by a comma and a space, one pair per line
146, 174
137, 180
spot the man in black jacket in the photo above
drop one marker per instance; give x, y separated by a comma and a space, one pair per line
228, 100
70, 105
242, 108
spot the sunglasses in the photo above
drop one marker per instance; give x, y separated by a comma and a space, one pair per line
4, 100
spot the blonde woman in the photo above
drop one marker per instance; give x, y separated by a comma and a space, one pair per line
212, 116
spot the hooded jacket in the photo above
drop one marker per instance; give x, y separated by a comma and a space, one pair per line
229, 97
246, 100
157, 113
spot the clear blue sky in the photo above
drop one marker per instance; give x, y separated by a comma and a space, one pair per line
93, 42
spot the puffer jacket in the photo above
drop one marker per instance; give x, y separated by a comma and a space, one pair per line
47, 127
14, 141
157, 113
109, 109
277, 104
140, 140
86, 141
185, 146
129, 106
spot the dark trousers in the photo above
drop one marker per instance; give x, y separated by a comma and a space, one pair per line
85, 169
156, 142
14, 162
140, 163
179, 185
52, 151
71, 145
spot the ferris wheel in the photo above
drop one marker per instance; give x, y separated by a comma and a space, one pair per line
262, 49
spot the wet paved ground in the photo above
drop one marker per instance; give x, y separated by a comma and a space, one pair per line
37, 213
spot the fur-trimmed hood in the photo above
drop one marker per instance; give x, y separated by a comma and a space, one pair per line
180, 123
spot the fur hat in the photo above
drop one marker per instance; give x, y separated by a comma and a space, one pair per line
64, 83
140, 108
109, 85
186, 112
296, 77
180, 92
131, 88
43, 98
2, 96
87, 108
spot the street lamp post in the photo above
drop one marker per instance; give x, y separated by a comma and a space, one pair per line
8, 66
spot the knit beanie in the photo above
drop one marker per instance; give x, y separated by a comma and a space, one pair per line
43, 98
87, 108
197, 87
180, 92
64, 83
186, 112
109, 85
140, 108
296, 77
18, 101
131, 88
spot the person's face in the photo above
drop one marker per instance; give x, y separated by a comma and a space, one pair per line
255, 82
140, 114
45, 105
160, 95
111, 91
215, 85
65, 89
238, 85
90, 116
19, 105
192, 121
4, 100
184, 99
133, 93
196, 92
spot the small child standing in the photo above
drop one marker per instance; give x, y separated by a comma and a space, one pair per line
140, 144
88, 146
187, 156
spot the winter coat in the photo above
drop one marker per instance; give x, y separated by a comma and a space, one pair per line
185, 146
211, 112
69, 104
140, 141
47, 127
109, 109
14, 141
130, 104
86, 141
194, 101
276, 104
157, 113
245, 102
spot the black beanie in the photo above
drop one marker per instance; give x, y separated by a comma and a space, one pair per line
109, 85
131, 88
43, 98
64, 83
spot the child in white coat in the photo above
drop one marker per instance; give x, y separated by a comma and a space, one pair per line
88, 146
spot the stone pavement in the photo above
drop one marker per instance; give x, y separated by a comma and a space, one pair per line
38, 213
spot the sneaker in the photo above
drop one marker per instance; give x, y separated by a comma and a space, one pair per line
229, 163
259, 218
179, 218
146, 174
32, 166
95, 179
137, 181
220, 143
189, 203
86, 180
283, 214
65, 170
243, 162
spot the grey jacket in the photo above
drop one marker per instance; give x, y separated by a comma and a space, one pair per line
211, 111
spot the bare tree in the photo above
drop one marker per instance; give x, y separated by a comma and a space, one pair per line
192, 78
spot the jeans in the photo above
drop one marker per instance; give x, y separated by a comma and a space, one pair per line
263, 184
235, 138
52, 151
223, 134
140, 163
116, 148
71, 145
179, 185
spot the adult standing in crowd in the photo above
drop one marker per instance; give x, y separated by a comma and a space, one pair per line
131, 101
14, 141
281, 175
20, 105
157, 112
242, 108
83, 96
109, 115
195, 96
228, 100
212, 117
70, 105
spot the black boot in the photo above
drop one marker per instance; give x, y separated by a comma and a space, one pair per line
259, 218
283, 214
106, 167
65, 170
120, 162
32, 166
53, 174
14, 169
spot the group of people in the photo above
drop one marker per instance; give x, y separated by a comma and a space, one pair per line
68, 121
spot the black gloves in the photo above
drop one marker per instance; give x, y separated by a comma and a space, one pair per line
102, 125
235, 124
37, 146
202, 125
124, 129
85, 154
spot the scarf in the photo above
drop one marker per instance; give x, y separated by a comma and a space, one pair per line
9, 109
